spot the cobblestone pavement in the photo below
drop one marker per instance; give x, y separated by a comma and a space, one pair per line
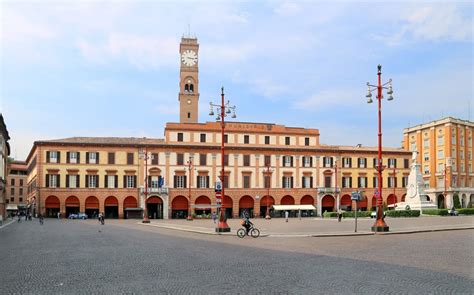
70, 257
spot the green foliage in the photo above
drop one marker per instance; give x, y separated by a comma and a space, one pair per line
359, 214
441, 212
457, 203
466, 211
329, 214
403, 213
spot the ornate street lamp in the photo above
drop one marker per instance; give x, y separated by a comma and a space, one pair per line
222, 110
379, 225
190, 173
143, 154
268, 172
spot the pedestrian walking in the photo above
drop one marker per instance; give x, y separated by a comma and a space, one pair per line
41, 219
339, 215
59, 215
19, 217
214, 216
286, 216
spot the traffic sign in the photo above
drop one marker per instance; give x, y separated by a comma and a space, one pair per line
218, 201
355, 196
218, 186
218, 195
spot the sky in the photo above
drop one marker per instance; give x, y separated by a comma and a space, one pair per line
111, 68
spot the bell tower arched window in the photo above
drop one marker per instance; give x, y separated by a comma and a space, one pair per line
189, 86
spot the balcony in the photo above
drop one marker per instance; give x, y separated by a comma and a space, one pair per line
155, 190
328, 190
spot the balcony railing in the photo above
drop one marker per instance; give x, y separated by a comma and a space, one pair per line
328, 190
155, 190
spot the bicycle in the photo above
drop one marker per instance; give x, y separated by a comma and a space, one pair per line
254, 232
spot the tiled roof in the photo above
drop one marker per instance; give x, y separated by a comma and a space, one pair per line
105, 140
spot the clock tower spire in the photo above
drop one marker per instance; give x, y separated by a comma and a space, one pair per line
188, 80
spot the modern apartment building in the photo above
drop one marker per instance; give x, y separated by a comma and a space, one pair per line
445, 151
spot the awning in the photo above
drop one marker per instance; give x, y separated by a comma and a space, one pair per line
293, 207
205, 206
133, 209
12, 207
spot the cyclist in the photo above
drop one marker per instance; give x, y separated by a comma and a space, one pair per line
247, 224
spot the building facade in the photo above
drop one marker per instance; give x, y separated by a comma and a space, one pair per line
445, 151
4, 153
16, 187
265, 164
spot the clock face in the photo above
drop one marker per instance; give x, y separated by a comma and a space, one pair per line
189, 101
189, 58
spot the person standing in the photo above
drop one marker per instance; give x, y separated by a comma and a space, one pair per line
214, 216
286, 216
59, 215
339, 215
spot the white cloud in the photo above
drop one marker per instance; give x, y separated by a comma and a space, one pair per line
326, 98
140, 51
287, 8
19, 30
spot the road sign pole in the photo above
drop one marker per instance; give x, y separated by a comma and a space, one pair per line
356, 217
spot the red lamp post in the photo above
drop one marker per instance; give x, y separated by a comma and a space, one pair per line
268, 172
379, 225
190, 170
144, 155
223, 110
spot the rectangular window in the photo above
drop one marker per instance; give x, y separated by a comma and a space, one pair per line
453, 140
246, 181
306, 141
179, 159
154, 181
440, 182
12, 191
267, 139
111, 158
327, 181
461, 141
426, 156
73, 180
130, 158
406, 163
413, 146
405, 181
52, 180
226, 160
180, 136
440, 167
346, 182
246, 160
154, 159
53, 157
12, 182
226, 181
440, 154
287, 140
362, 162
391, 182
226, 138
73, 157
268, 160
111, 181
306, 182
12, 199
203, 181
287, 161
426, 143
461, 155
92, 158
346, 162
375, 181
93, 181
327, 161
362, 182
287, 182
21, 200
440, 140
426, 169
203, 137
246, 139
307, 161
203, 159
130, 181
392, 163
266, 181
21, 182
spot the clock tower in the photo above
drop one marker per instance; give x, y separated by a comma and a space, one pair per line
188, 80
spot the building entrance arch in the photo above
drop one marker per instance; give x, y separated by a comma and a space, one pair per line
391, 200
307, 200
246, 204
203, 206
52, 206
154, 207
264, 202
179, 207
227, 204
111, 207
130, 208
346, 203
328, 203
441, 204
92, 207
72, 205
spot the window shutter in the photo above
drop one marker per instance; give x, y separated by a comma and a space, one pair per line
59, 157
116, 181
185, 181
68, 154
125, 181
87, 158
149, 181
350, 162
395, 163
47, 157
311, 161
332, 161
175, 185
350, 182
375, 162
291, 182
282, 181
311, 182
97, 158
78, 181
87, 180
78, 157
303, 185
358, 162
154, 161
324, 161
395, 178
358, 182
47, 179
106, 183
207, 181
291, 161
67, 181
135, 181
